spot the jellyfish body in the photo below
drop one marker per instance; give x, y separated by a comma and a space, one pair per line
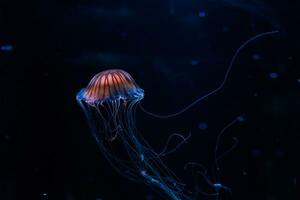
111, 85
109, 103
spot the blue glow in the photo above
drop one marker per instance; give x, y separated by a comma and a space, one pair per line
80, 95
218, 185
143, 173
273, 75
44, 195
136, 94
202, 126
241, 118
194, 62
202, 13
7, 48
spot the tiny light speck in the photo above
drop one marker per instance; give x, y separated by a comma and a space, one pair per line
7, 47
202, 126
194, 62
241, 118
202, 13
273, 75
217, 185
44, 195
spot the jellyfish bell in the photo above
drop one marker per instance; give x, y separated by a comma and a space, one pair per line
111, 85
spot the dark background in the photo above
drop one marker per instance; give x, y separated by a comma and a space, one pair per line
177, 50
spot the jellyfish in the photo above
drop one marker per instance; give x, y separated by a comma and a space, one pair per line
109, 103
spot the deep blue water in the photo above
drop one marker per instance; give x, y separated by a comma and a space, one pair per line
177, 51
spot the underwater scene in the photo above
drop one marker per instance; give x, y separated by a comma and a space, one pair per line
149, 100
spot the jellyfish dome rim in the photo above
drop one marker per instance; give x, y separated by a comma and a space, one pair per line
134, 96
136, 93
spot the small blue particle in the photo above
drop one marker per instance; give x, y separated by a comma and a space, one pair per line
217, 185
202, 13
44, 195
256, 57
7, 47
194, 62
143, 172
142, 157
241, 118
273, 75
154, 180
202, 126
